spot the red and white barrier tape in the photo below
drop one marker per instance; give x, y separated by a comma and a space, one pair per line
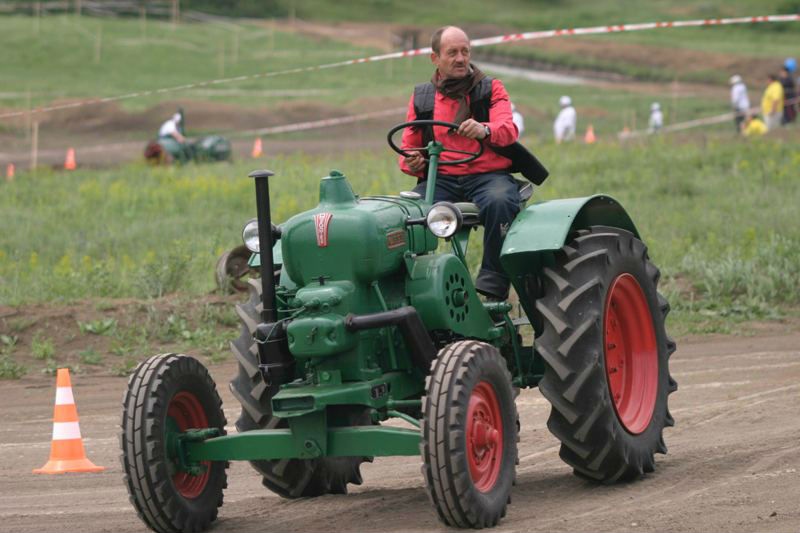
324, 123
500, 39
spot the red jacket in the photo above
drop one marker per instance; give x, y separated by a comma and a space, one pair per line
501, 124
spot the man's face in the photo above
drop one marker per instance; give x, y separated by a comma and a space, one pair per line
452, 61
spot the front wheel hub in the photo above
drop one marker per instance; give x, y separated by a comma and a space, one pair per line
484, 437
186, 412
631, 353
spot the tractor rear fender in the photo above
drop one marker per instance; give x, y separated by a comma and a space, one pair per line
543, 228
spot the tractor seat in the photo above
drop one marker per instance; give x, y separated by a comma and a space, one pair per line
470, 211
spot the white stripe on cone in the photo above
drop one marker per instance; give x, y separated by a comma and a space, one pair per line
66, 430
64, 396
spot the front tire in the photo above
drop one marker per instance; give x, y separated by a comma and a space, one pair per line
170, 393
469, 435
606, 355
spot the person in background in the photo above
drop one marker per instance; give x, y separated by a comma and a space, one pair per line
772, 103
173, 128
789, 95
753, 126
791, 65
519, 120
739, 101
656, 121
566, 121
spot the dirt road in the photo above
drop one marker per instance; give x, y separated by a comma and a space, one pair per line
733, 462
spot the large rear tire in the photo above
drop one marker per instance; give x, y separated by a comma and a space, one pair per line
606, 355
170, 393
290, 478
469, 435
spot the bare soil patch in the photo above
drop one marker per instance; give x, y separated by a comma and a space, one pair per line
732, 463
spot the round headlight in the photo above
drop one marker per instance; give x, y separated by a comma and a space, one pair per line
250, 236
444, 219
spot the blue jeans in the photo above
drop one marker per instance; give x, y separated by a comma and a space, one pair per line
497, 196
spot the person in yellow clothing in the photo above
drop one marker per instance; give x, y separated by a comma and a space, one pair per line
772, 103
754, 127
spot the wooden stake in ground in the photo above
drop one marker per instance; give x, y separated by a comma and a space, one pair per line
176, 12
143, 22
98, 46
272, 36
35, 146
29, 115
222, 59
78, 7
37, 10
674, 87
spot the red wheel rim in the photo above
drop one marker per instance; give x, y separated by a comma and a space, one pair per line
631, 354
187, 412
484, 437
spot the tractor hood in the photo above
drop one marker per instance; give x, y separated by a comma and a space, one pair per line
348, 238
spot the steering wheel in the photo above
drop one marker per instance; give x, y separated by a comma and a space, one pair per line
472, 156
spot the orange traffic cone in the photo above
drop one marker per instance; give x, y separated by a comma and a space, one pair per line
589, 138
69, 162
257, 148
66, 448
10, 170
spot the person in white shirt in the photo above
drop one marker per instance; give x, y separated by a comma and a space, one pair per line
565, 124
172, 128
656, 121
519, 121
739, 101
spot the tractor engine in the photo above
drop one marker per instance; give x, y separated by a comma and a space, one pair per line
346, 257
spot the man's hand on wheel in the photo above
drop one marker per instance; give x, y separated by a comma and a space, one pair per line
472, 129
415, 162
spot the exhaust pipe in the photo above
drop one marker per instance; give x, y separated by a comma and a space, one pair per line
265, 242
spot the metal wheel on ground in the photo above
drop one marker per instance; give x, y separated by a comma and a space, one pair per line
168, 394
469, 435
606, 355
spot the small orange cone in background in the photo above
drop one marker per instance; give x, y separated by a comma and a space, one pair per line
69, 162
589, 138
10, 170
66, 448
257, 148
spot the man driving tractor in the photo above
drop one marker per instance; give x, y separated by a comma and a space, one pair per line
460, 93
173, 127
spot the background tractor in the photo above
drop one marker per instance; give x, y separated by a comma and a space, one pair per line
208, 149
358, 318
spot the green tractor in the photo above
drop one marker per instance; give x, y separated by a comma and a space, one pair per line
207, 149
358, 319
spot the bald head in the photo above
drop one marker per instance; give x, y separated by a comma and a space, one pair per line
436, 38
450, 52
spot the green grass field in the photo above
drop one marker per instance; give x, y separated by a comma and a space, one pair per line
59, 64
717, 212
718, 216
67, 57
